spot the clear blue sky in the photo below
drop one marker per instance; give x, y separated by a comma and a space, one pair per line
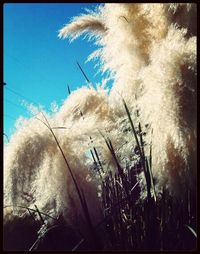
37, 64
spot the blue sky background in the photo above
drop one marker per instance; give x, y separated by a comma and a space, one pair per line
37, 64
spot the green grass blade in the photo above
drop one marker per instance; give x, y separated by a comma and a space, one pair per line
83, 72
191, 230
141, 152
69, 91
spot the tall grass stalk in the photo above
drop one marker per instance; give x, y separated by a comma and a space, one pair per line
79, 192
120, 170
146, 168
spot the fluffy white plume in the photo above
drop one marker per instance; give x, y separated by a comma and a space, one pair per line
82, 24
149, 51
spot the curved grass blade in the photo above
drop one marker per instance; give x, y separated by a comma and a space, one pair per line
191, 230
